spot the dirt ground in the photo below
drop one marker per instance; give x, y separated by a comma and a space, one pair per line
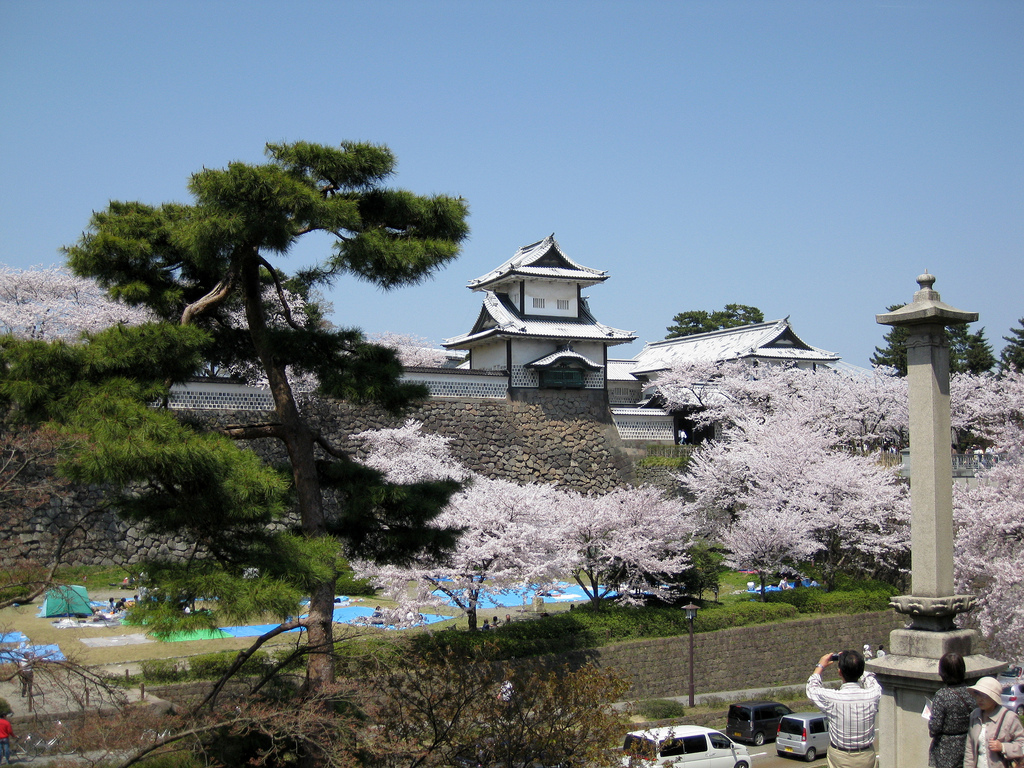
118, 658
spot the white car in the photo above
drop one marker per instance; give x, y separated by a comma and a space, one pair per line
683, 745
1012, 674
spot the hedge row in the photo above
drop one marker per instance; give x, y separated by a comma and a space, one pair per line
587, 627
673, 462
856, 598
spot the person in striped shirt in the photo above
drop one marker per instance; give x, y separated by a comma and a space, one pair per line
850, 709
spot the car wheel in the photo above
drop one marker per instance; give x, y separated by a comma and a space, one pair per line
1020, 709
811, 754
758, 739
741, 764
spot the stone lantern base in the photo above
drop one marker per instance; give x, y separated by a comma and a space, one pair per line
909, 676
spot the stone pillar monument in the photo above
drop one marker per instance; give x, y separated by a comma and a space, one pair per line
909, 673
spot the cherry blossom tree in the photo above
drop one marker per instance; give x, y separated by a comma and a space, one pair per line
989, 515
409, 455
990, 407
413, 351
863, 410
51, 303
626, 541
505, 546
505, 543
989, 523
773, 469
766, 535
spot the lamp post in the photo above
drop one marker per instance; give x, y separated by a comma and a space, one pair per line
691, 614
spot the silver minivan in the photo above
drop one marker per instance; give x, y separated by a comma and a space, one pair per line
802, 734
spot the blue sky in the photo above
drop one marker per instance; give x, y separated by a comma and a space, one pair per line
809, 158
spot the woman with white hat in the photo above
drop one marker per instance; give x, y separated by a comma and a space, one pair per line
995, 736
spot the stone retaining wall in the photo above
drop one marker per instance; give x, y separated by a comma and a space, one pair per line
743, 658
761, 656
544, 436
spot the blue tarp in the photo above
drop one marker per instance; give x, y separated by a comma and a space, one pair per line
343, 615
563, 592
37, 652
252, 631
776, 588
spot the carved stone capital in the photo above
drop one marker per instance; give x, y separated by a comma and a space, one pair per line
933, 338
932, 614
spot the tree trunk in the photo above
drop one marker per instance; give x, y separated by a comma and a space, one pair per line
300, 442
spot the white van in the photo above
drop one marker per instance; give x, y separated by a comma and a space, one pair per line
683, 745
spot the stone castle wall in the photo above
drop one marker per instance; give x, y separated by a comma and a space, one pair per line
540, 436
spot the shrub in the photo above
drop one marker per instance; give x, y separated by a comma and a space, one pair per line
16, 593
349, 585
5, 708
660, 709
210, 666
858, 597
162, 671
588, 627
674, 462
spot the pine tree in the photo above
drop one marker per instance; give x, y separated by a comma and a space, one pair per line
1013, 353
700, 321
894, 353
979, 357
204, 271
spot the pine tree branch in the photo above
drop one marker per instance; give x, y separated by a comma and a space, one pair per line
280, 294
214, 298
253, 431
337, 453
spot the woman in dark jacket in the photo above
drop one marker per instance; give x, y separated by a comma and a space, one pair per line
951, 715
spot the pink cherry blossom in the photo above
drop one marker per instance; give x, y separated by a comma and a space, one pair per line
49, 303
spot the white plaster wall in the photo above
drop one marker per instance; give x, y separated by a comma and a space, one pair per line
591, 350
490, 357
526, 351
550, 291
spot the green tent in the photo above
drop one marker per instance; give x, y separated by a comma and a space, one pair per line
67, 601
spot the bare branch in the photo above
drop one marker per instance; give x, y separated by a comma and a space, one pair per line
244, 655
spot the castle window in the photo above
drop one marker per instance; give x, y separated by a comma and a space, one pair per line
538, 303
561, 378
563, 303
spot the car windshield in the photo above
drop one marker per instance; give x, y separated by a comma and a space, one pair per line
720, 740
741, 714
795, 727
638, 746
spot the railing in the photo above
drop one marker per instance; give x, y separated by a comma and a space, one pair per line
670, 451
963, 464
975, 461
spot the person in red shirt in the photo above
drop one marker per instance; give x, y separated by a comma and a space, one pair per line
5, 738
